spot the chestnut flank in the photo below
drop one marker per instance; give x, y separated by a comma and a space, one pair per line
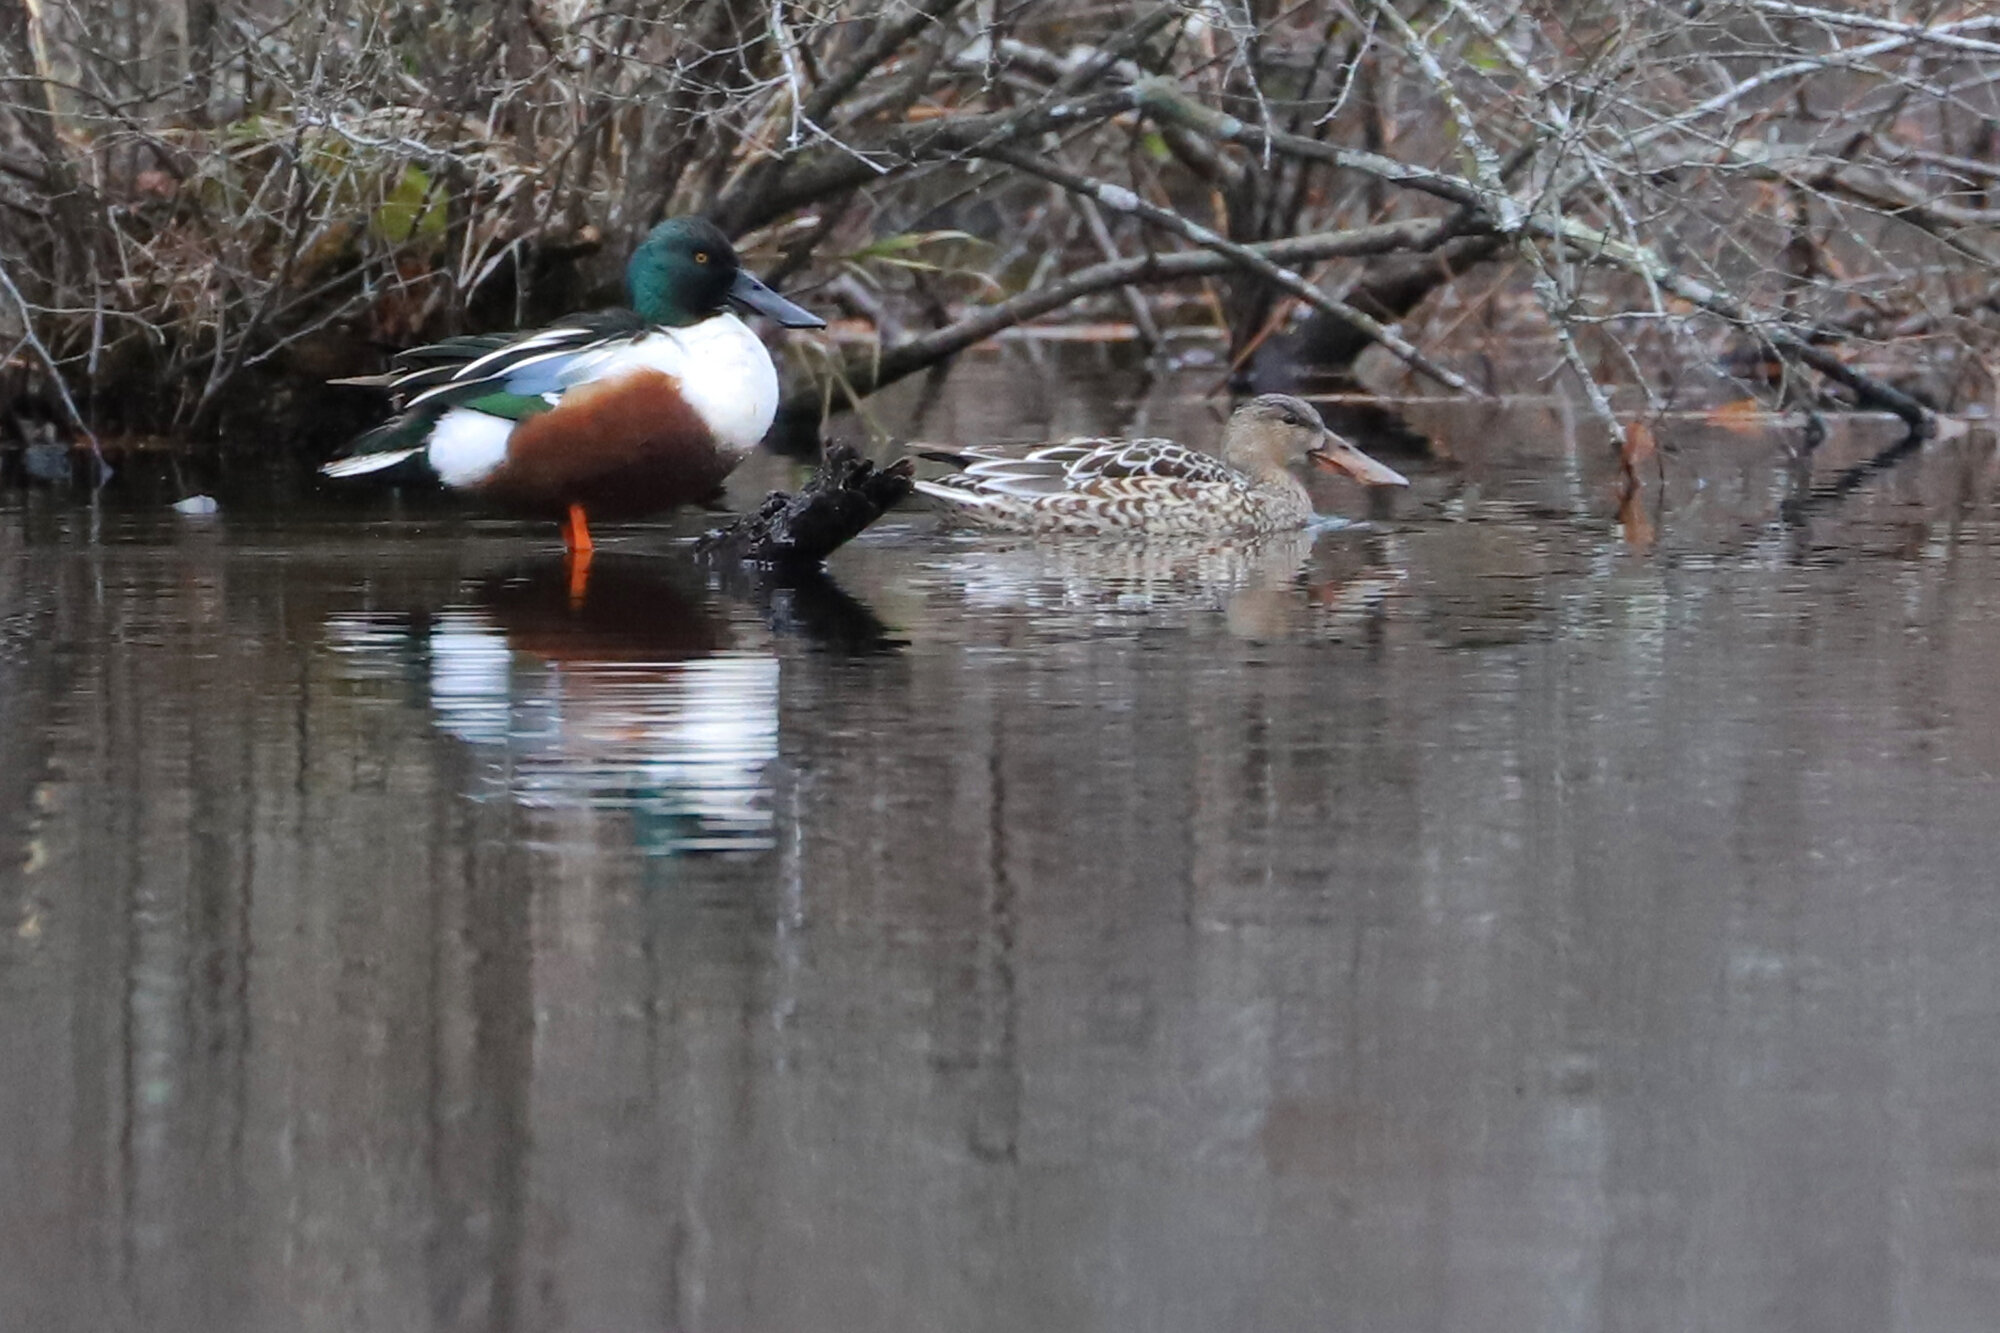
622, 448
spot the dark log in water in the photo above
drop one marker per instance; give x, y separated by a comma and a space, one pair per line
794, 532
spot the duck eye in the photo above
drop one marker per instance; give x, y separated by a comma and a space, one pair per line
701, 256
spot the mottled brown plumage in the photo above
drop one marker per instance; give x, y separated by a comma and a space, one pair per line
1155, 486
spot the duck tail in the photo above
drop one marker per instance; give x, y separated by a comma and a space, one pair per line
394, 442
962, 497
361, 465
934, 454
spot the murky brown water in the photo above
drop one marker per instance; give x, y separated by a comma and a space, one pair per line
1468, 923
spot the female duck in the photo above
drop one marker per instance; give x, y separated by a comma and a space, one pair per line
620, 413
1157, 487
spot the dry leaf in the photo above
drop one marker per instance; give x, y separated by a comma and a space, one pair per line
1745, 416
1639, 444
1632, 519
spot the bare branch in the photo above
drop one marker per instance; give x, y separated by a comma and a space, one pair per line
1119, 199
867, 372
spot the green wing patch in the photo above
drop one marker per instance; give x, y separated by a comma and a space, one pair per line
511, 406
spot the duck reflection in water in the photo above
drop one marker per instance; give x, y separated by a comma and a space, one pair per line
653, 694
1270, 586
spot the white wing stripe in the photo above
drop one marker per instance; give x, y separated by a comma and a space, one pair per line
360, 465
472, 369
511, 381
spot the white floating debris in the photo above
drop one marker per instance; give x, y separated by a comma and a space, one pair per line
197, 506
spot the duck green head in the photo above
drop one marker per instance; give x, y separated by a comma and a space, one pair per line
686, 270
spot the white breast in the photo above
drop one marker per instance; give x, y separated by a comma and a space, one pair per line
724, 371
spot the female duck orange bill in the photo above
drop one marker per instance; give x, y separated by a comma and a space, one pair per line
1157, 487
619, 413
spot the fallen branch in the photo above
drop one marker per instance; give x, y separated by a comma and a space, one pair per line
1597, 247
753, 204
1119, 199
865, 372
1162, 99
795, 532
1592, 244
42, 354
888, 36
1941, 36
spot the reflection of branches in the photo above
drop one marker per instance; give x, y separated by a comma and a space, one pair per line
1848, 480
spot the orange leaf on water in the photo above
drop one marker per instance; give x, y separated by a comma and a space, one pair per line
1633, 522
1638, 447
1745, 416
1639, 444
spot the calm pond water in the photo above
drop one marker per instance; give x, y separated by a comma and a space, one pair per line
1467, 921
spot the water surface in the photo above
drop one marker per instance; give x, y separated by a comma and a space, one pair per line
1472, 920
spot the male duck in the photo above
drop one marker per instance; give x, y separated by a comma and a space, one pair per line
620, 413
1157, 487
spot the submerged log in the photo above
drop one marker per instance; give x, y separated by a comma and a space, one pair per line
798, 532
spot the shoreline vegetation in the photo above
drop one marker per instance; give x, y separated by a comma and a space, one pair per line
208, 208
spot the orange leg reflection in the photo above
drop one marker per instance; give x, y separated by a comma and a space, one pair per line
577, 543
576, 533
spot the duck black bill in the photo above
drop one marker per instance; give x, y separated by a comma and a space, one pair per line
747, 293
